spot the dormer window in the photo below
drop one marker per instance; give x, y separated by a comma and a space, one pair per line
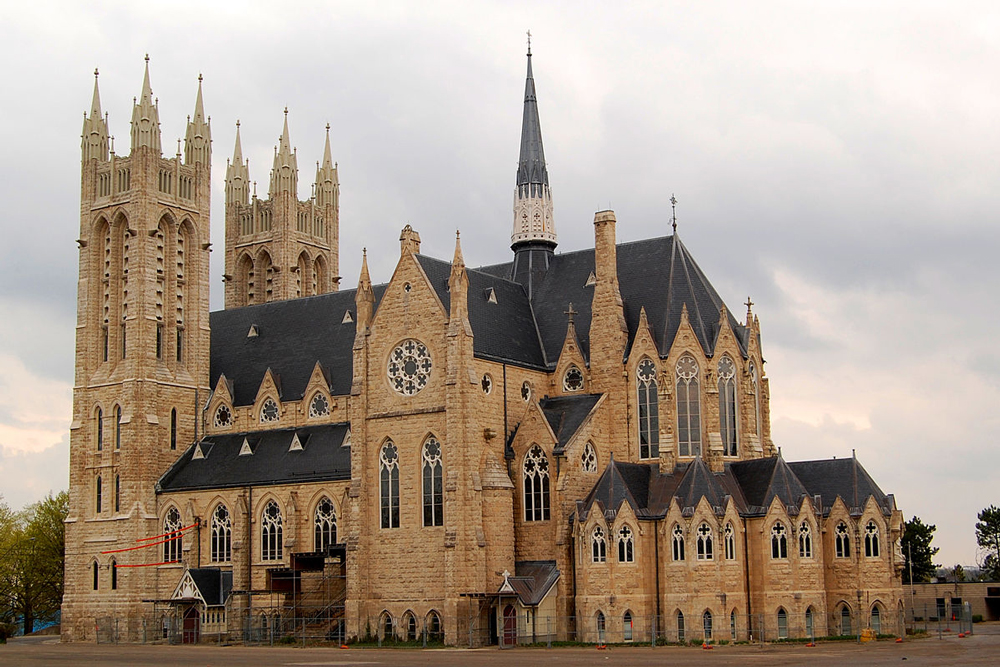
319, 406
223, 417
269, 412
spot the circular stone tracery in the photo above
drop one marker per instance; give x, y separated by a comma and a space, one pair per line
409, 367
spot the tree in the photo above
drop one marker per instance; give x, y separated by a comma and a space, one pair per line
32, 543
988, 539
917, 551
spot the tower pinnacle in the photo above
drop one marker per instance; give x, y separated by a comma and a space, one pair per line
285, 171
198, 141
146, 117
238, 175
94, 139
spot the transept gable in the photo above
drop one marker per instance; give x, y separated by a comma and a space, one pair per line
570, 357
643, 344
411, 289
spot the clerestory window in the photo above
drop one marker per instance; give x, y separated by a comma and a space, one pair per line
688, 407
649, 414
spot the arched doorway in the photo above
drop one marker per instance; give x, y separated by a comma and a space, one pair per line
192, 626
509, 626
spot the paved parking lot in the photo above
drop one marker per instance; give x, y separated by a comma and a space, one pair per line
981, 649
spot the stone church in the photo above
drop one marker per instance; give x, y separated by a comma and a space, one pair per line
565, 445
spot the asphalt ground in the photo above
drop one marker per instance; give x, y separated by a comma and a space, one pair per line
983, 648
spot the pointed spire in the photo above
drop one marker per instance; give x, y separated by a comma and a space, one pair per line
531, 168
198, 141
94, 138
365, 280
146, 118
458, 260
285, 171
326, 176
364, 299
238, 175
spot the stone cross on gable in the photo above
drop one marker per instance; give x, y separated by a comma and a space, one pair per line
570, 313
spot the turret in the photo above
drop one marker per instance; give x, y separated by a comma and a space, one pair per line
534, 235
285, 171
198, 140
94, 138
146, 118
327, 183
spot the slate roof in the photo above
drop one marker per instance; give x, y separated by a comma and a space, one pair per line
533, 579
751, 485
565, 414
213, 583
531, 169
291, 337
846, 478
658, 274
322, 458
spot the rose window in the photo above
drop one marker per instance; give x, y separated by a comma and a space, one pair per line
223, 417
320, 406
409, 367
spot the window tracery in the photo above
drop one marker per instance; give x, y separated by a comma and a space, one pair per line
409, 367
598, 545
99, 493
536, 485
842, 541
678, 542
730, 540
779, 540
325, 525
171, 530
706, 624
871, 540
588, 460
688, 407
573, 379
805, 540
649, 413
705, 551
271, 529
100, 429
319, 406
222, 535
626, 545
433, 478
269, 412
487, 384
525, 391
389, 485
223, 417
727, 405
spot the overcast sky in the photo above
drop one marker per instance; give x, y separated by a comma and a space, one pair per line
838, 164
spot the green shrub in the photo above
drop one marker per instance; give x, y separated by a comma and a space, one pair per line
977, 618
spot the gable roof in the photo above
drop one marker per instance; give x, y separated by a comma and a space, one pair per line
566, 414
763, 480
620, 482
845, 478
322, 458
533, 579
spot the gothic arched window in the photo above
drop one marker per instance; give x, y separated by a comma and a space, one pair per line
678, 542
706, 624
172, 536
114, 574
779, 540
876, 620
118, 427
782, 623
536, 485
599, 546
845, 620
389, 485
705, 550
730, 540
627, 626
727, 405
222, 535
269, 411
271, 543
805, 540
688, 407
325, 522
573, 379
588, 460
173, 428
626, 545
649, 413
433, 474
95, 575
319, 406
99, 495
118, 493
100, 429
871, 540
680, 626
223, 417
842, 541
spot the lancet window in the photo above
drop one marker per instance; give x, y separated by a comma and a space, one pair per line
172, 536
805, 540
588, 459
649, 414
730, 541
688, 407
271, 529
842, 541
871, 540
626, 545
779, 540
705, 550
599, 545
727, 405
677, 541
536, 485
222, 535
325, 525
433, 476
389, 485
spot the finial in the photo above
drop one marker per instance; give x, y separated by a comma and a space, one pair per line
95, 72
458, 234
286, 109
328, 128
237, 122
529, 42
570, 313
147, 57
179, 142
364, 252
673, 208
749, 305
199, 77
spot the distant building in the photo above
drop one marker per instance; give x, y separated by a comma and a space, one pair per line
563, 445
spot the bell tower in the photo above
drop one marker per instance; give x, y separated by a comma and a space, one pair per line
142, 350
